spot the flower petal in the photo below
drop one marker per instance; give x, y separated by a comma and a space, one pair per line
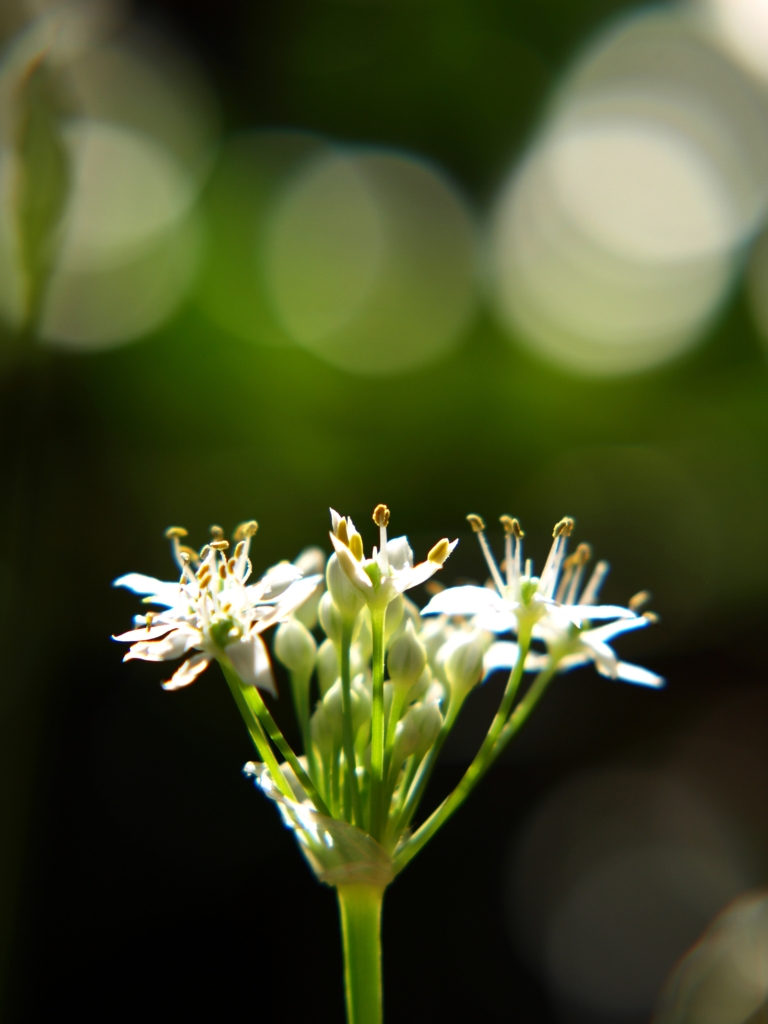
465, 600
160, 591
172, 646
250, 660
188, 672
399, 553
579, 613
496, 621
612, 629
146, 633
604, 657
354, 570
641, 676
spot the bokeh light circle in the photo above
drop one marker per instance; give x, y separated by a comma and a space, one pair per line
370, 261
620, 236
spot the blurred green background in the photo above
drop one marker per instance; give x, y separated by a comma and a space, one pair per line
130, 847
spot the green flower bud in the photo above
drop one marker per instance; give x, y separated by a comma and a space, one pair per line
321, 731
393, 617
330, 618
361, 704
363, 638
307, 613
346, 597
327, 666
407, 737
295, 647
332, 708
462, 660
429, 722
421, 686
433, 634
407, 658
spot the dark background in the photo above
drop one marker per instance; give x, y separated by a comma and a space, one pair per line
146, 878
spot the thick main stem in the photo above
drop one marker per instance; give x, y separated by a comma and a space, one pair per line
360, 911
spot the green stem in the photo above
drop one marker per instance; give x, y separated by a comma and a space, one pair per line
377, 720
399, 696
257, 734
252, 698
485, 756
416, 788
348, 739
360, 910
300, 693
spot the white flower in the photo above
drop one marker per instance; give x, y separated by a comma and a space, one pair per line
554, 607
390, 570
213, 610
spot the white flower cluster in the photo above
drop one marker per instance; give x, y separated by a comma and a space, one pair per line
377, 694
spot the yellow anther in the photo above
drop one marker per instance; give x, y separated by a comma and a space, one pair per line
636, 602
439, 552
239, 549
476, 522
381, 516
217, 533
511, 527
564, 528
204, 552
652, 617
149, 617
222, 570
231, 565
356, 546
176, 531
184, 557
191, 554
246, 530
219, 545
341, 532
433, 587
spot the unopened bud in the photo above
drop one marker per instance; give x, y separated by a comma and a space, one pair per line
361, 704
333, 710
407, 738
393, 617
422, 685
327, 666
321, 731
407, 659
346, 597
463, 662
330, 618
295, 647
428, 721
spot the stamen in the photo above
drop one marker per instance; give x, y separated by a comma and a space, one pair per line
478, 526
564, 527
652, 617
204, 552
439, 552
246, 530
592, 588
511, 526
381, 518
239, 549
231, 565
529, 568
176, 531
512, 537
217, 533
341, 532
149, 620
220, 545
577, 561
356, 546
636, 603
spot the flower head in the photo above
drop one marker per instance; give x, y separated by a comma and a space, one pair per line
390, 569
213, 610
556, 608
